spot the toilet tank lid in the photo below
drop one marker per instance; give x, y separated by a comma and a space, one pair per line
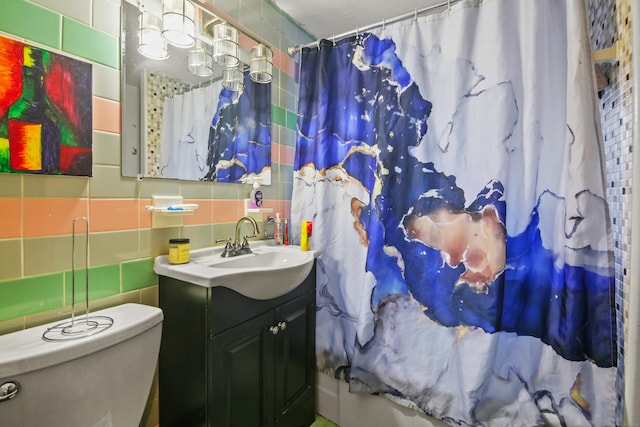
25, 351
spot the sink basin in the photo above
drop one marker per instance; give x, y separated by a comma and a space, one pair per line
268, 272
259, 259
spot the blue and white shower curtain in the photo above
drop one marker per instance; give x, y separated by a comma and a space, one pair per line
452, 167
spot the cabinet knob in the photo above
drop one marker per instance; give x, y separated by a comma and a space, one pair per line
282, 325
274, 330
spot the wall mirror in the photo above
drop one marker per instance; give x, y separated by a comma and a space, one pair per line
196, 102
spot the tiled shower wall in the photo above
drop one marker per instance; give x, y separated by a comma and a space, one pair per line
610, 22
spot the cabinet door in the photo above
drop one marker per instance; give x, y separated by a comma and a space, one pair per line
295, 362
241, 375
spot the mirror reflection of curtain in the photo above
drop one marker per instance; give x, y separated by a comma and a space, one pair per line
184, 133
206, 132
240, 135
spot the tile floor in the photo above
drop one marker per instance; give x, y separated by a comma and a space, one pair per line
323, 422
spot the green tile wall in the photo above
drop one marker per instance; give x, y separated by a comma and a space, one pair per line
278, 116
29, 21
11, 186
112, 247
104, 281
106, 148
138, 274
43, 255
89, 43
31, 295
49, 186
282, 117
8, 267
36, 294
292, 120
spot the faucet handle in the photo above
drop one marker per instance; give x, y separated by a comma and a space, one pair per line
244, 248
229, 248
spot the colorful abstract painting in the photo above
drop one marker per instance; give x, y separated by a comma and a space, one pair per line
452, 166
45, 111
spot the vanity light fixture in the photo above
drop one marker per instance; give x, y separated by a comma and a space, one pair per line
150, 41
178, 22
261, 64
225, 45
212, 42
233, 79
199, 60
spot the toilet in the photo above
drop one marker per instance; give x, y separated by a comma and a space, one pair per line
96, 373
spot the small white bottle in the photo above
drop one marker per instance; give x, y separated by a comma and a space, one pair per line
256, 198
277, 233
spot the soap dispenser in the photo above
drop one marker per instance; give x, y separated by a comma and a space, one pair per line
256, 198
277, 234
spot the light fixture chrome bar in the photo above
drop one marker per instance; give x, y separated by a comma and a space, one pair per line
219, 17
292, 50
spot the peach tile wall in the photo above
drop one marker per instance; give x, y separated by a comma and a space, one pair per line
11, 224
114, 214
106, 115
51, 216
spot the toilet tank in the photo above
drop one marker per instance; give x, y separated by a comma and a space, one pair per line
102, 380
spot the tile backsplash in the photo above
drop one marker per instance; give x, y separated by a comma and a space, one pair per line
37, 211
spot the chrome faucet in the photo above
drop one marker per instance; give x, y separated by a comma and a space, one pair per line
238, 248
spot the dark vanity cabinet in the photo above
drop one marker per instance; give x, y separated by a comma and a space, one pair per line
227, 360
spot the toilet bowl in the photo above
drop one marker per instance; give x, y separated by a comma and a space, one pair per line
98, 379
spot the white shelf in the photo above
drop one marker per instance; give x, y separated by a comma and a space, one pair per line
171, 211
249, 209
258, 210
168, 211
255, 213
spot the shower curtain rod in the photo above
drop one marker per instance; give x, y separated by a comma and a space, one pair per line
292, 50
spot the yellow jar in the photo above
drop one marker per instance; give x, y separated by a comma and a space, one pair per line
178, 251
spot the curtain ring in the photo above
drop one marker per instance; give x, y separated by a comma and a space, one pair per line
415, 14
334, 39
448, 6
384, 24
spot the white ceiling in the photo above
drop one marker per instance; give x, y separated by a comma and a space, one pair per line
326, 18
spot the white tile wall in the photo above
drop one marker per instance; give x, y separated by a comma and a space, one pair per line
79, 10
106, 16
106, 82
